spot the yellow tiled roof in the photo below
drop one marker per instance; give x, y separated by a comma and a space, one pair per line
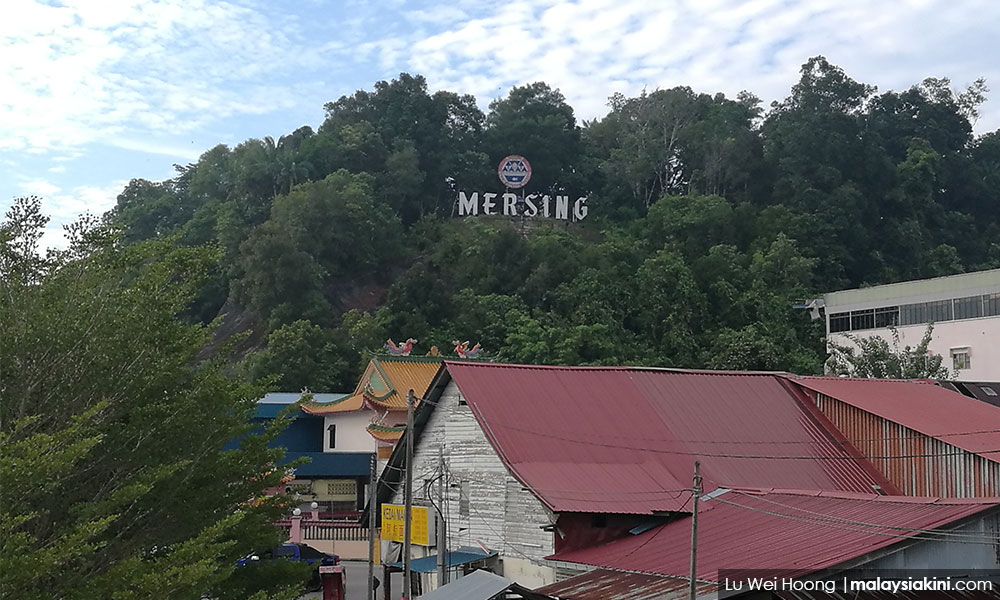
388, 378
345, 404
386, 434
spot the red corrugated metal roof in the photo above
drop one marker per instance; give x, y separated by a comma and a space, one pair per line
921, 406
624, 440
793, 532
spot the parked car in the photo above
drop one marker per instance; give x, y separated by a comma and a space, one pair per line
296, 553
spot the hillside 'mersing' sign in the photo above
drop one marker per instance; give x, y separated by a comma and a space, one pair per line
515, 172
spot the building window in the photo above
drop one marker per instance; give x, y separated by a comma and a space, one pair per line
969, 308
939, 311
840, 322
926, 312
886, 317
960, 358
332, 435
463, 499
988, 390
912, 314
991, 305
862, 319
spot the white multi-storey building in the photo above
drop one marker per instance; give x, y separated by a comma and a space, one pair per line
965, 311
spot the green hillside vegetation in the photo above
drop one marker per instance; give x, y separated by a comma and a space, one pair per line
709, 218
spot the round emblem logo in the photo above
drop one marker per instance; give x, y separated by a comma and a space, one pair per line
514, 171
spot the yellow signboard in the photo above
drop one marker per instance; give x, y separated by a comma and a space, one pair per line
421, 524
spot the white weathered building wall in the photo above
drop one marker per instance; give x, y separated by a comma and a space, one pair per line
502, 515
352, 435
981, 336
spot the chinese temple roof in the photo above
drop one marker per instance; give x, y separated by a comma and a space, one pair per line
384, 433
388, 378
348, 403
384, 385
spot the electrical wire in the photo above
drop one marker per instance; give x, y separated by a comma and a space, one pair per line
821, 518
830, 442
676, 493
503, 539
653, 537
836, 519
826, 523
575, 440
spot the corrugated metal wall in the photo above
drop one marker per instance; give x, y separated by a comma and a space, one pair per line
919, 465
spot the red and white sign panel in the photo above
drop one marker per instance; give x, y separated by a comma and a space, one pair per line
514, 171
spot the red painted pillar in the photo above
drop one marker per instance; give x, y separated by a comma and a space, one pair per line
333, 582
295, 533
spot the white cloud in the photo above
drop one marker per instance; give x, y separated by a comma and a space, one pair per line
88, 71
593, 48
173, 77
64, 206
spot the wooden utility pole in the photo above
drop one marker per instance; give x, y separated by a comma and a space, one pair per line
408, 499
442, 532
695, 493
372, 507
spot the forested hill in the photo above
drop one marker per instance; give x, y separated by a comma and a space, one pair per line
709, 217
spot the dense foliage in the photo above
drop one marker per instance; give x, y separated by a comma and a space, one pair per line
113, 478
709, 218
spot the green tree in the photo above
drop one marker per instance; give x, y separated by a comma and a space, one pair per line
322, 230
535, 121
302, 355
879, 358
115, 481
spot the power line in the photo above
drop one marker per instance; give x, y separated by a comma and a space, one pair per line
501, 538
833, 518
826, 523
652, 537
830, 442
677, 491
739, 456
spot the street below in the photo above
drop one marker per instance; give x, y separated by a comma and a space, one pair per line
357, 573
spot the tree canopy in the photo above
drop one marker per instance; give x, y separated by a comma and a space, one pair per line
115, 481
709, 218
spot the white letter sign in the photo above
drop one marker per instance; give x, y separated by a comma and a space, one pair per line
468, 205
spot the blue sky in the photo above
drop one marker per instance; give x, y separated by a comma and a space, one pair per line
95, 92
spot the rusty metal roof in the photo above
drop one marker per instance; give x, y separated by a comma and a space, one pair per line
624, 440
921, 406
603, 584
792, 532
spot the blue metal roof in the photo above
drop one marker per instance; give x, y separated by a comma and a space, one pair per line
332, 464
292, 397
462, 556
270, 411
